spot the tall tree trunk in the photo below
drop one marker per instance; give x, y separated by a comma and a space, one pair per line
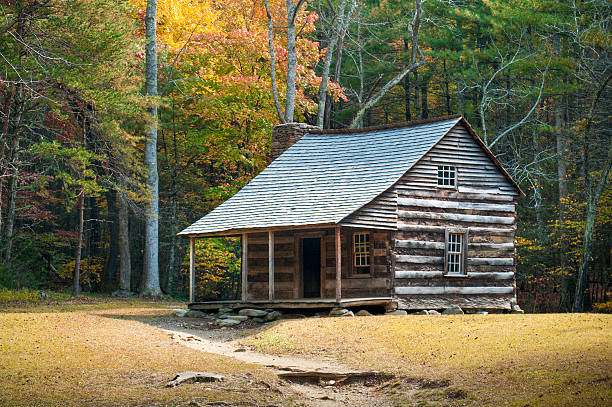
561, 141
537, 189
150, 285
424, 105
337, 34
417, 106
407, 89
125, 264
110, 265
292, 10
447, 96
76, 285
10, 215
279, 111
7, 109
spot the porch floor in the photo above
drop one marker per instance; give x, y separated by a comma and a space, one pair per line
294, 303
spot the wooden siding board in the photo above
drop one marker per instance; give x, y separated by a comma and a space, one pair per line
484, 204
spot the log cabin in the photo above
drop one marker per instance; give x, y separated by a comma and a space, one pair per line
418, 215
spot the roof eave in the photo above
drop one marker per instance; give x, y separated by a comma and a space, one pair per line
240, 231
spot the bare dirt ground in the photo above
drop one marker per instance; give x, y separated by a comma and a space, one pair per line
203, 335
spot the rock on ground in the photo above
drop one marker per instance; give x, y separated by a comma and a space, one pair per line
340, 312
391, 306
195, 314
453, 310
432, 312
273, 316
227, 322
179, 312
363, 313
397, 312
225, 310
250, 312
194, 377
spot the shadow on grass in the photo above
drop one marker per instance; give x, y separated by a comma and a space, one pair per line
60, 302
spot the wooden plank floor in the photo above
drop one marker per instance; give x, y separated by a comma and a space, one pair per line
298, 303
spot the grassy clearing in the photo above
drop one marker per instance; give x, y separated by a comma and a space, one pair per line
108, 358
492, 360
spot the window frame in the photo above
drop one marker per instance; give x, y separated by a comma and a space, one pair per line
464, 233
450, 168
354, 267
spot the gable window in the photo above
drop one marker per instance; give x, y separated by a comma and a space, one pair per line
455, 252
361, 253
447, 176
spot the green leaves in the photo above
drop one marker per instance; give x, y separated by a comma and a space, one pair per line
71, 167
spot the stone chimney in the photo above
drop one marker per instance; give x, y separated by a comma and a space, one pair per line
286, 135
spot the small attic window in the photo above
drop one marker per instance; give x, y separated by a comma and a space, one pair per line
447, 176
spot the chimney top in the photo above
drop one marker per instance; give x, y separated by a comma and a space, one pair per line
287, 134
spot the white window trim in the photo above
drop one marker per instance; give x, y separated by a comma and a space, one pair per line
443, 168
462, 254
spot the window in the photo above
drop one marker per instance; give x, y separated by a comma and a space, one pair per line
447, 176
455, 252
361, 253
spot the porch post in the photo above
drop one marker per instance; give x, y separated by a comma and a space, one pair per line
271, 266
244, 269
191, 268
338, 265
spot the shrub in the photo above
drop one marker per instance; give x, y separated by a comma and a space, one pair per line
603, 307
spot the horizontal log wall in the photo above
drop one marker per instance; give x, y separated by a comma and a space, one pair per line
286, 279
484, 202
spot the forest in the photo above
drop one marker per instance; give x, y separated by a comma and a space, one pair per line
124, 121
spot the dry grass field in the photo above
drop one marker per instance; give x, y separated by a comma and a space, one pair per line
487, 360
85, 357
105, 352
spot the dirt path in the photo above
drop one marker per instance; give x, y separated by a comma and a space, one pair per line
363, 391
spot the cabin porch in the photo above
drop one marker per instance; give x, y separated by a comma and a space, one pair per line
307, 268
295, 304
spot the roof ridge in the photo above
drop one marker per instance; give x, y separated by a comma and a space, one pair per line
385, 126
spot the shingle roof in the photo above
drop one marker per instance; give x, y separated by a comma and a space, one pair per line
323, 178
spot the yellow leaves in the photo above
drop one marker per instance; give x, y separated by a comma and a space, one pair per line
91, 270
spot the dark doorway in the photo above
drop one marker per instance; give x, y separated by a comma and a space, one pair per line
311, 267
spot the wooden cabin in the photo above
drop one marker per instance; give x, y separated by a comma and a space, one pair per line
420, 214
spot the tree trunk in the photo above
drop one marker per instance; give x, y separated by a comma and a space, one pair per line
150, 285
561, 141
447, 96
292, 10
110, 266
417, 106
424, 105
10, 215
407, 91
125, 265
336, 36
76, 285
